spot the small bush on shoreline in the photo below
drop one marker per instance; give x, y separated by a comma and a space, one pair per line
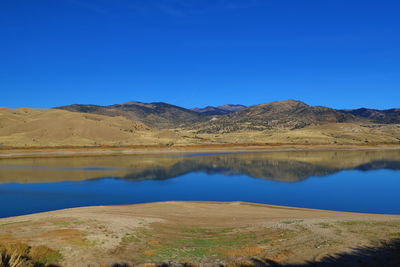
21, 255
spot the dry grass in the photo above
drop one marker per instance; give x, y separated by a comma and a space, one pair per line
17, 254
201, 232
48, 127
35, 128
247, 251
44, 255
69, 236
13, 260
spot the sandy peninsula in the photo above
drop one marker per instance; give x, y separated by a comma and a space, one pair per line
195, 233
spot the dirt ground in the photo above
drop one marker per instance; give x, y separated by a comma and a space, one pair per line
230, 233
35, 152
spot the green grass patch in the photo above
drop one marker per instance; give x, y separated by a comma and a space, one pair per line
178, 253
371, 229
394, 223
206, 231
292, 221
130, 238
191, 244
84, 243
395, 235
145, 233
264, 242
324, 225
12, 223
351, 223
45, 255
177, 243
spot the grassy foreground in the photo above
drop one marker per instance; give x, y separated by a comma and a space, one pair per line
195, 233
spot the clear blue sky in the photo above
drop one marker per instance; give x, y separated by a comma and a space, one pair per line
337, 53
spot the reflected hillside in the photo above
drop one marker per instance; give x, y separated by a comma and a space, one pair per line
280, 166
380, 164
258, 167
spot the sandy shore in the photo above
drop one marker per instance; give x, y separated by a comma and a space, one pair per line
187, 149
224, 232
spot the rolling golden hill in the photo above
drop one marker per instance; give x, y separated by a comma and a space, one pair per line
48, 127
134, 123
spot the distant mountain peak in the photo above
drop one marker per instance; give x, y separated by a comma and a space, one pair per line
219, 110
285, 103
233, 107
132, 103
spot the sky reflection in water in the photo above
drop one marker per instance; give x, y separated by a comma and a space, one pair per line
337, 182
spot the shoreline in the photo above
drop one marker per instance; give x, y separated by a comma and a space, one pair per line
7, 153
199, 232
323, 212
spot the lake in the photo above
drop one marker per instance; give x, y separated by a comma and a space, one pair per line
358, 181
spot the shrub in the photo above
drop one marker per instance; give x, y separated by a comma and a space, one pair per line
13, 260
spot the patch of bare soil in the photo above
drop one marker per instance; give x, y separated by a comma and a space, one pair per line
196, 233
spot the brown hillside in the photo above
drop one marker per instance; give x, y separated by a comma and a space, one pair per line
134, 123
378, 116
288, 114
157, 115
49, 127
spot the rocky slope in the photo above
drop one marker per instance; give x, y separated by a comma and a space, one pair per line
283, 114
377, 116
288, 114
220, 110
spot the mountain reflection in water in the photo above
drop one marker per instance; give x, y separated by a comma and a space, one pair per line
290, 166
357, 181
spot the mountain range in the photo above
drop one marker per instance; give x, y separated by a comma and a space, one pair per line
289, 166
375, 115
282, 114
137, 123
157, 114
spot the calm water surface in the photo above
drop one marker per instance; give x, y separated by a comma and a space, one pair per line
359, 181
